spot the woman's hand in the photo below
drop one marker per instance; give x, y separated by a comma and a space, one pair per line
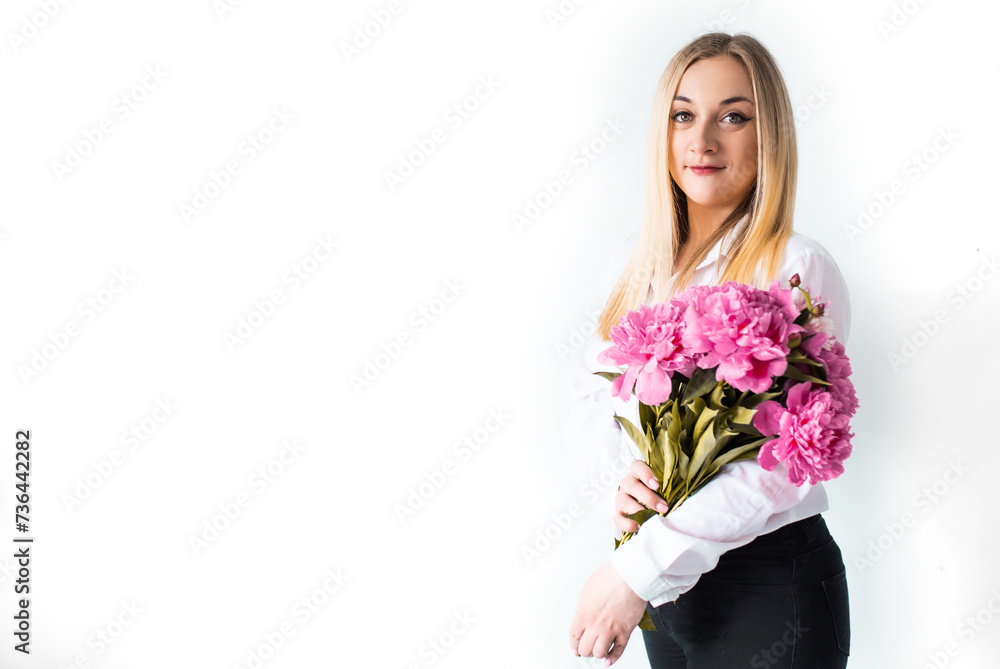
606, 615
637, 491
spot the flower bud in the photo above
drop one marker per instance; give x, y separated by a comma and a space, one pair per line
819, 309
794, 281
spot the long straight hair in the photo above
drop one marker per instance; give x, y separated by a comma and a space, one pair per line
758, 246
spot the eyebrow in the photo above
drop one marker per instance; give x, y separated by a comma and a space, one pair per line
727, 101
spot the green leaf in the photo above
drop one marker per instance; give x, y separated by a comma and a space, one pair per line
625, 537
797, 374
799, 356
706, 449
610, 376
746, 429
665, 418
641, 516
716, 396
740, 415
682, 464
646, 623
702, 380
636, 436
647, 415
733, 455
655, 457
676, 381
668, 456
689, 417
754, 401
704, 422
674, 426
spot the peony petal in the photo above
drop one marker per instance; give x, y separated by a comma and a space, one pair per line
765, 456
653, 387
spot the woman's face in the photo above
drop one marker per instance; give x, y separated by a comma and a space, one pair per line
711, 121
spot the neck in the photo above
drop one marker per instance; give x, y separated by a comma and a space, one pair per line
702, 222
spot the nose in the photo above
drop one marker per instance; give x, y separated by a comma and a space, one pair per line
703, 138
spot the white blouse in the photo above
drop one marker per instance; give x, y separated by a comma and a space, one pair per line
668, 554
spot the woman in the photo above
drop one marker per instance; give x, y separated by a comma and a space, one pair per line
745, 572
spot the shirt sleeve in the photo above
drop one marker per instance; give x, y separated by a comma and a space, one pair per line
592, 434
821, 276
668, 554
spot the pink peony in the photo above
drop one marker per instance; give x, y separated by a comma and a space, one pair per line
812, 437
742, 330
648, 341
820, 327
838, 372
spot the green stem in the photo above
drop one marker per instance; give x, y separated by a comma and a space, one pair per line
809, 304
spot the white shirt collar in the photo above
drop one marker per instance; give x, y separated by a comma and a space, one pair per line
720, 250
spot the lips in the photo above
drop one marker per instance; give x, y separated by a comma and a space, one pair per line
704, 169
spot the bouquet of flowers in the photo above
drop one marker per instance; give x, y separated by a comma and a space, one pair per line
728, 373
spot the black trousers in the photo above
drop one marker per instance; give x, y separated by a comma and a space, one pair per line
779, 602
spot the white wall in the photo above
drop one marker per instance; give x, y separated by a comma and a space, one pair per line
503, 299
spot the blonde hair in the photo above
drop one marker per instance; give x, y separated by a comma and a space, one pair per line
760, 243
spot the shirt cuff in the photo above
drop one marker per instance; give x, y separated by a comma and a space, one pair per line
643, 575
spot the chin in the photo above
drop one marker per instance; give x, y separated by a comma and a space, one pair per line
708, 200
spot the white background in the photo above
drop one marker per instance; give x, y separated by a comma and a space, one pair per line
869, 101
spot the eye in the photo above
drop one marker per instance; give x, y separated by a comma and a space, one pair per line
740, 118
737, 118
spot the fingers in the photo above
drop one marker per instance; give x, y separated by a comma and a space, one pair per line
617, 650
626, 504
641, 471
602, 647
638, 490
586, 645
642, 494
576, 630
